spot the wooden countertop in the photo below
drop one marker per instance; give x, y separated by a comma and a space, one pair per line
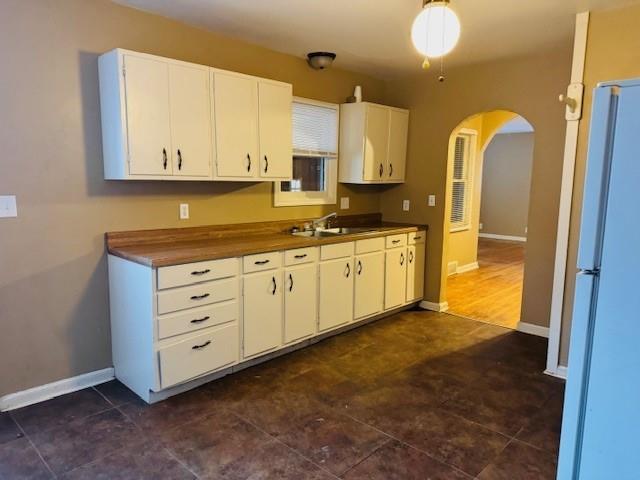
160, 248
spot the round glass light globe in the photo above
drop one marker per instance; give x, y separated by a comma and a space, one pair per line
435, 31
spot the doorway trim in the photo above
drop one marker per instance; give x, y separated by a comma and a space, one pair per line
564, 214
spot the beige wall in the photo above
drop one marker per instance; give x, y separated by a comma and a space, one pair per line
612, 54
528, 86
506, 179
53, 278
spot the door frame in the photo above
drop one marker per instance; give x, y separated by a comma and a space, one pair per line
564, 214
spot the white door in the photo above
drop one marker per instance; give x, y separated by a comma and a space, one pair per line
376, 143
395, 278
262, 300
190, 120
300, 302
336, 293
236, 118
415, 272
369, 284
148, 119
397, 157
276, 154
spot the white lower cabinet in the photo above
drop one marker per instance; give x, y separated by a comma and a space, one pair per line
369, 284
336, 293
415, 272
300, 302
262, 315
395, 279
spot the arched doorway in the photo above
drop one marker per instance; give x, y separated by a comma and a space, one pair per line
488, 184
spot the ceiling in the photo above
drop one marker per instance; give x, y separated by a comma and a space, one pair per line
517, 125
374, 36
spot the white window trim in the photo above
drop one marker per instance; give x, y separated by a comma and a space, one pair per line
330, 196
471, 165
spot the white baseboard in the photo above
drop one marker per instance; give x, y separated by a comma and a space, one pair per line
434, 307
560, 372
468, 267
494, 236
55, 389
532, 329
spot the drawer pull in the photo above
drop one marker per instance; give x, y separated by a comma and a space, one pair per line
395, 241
417, 238
299, 257
261, 262
199, 347
200, 320
201, 272
200, 297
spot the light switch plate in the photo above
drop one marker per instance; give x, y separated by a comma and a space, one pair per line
432, 200
8, 206
481, 226
344, 203
406, 204
184, 211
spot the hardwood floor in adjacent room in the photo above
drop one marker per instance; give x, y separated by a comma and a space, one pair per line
492, 293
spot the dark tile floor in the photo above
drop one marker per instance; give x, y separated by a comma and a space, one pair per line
418, 395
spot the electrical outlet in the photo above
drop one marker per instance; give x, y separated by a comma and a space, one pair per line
526, 230
432, 201
406, 204
184, 211
344, 203
8, 207
481, 226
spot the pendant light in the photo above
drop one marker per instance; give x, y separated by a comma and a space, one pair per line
436, 29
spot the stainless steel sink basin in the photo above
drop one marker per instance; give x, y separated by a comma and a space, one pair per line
332, 232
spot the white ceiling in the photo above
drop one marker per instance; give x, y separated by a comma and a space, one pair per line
373, 36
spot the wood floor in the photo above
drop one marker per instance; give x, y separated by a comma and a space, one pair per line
492, 293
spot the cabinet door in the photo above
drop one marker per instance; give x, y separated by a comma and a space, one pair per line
376, 143
369, 284
276, 153
397, 157
395, 283
236, 117
262, 320
190, 120
148, 118
300, 302
415, 272
336, 293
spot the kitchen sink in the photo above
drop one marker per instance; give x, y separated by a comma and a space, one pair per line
332, 232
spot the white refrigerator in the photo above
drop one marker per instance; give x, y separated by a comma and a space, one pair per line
601, 423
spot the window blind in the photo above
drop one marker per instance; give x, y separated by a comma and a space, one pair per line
315, 130
459, 199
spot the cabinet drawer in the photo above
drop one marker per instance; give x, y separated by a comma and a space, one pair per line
369, 245
393, 241
179, 275
197, 295
196, 319
417, 237
261, 261
337, 250
210, 350
300, 255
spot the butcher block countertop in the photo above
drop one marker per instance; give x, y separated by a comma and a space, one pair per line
161, 248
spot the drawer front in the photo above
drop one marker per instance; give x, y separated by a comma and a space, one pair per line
417, 237
179, 275
197, 295
369, 245
337, 250
196, 319
393, 241
261, 261
189, 358
300, 256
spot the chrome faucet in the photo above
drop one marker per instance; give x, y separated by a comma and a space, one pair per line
316, 223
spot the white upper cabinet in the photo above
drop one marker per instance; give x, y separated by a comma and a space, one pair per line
190, 120
236, 120
164, 119
373, 143
274, 100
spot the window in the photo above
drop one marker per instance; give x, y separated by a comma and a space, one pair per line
463, 154
315, 155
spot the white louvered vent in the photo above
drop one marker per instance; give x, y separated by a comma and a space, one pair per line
315, 130
460, 187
